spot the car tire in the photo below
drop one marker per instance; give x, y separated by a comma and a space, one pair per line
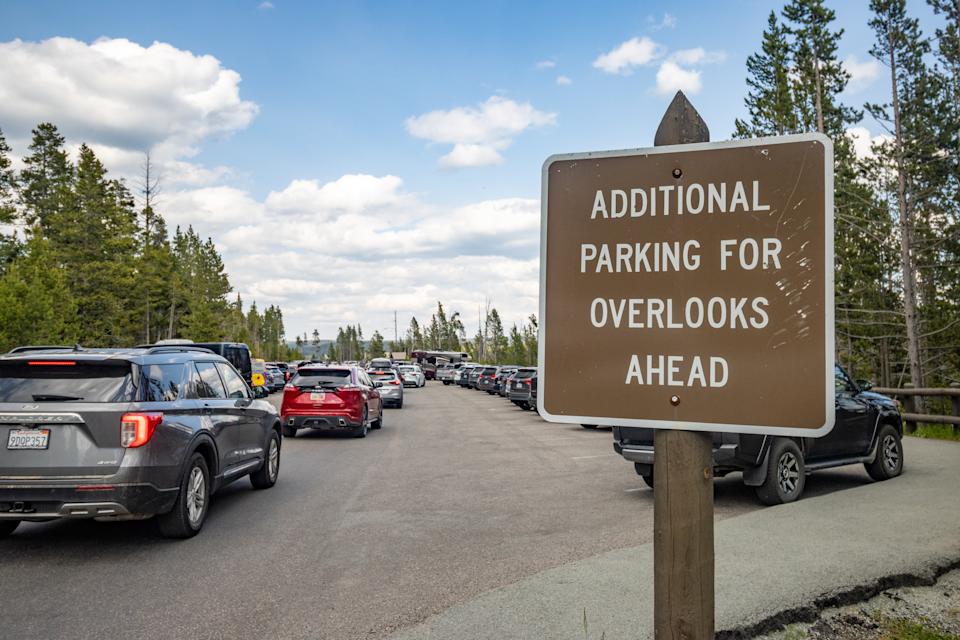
589, 426
266, 476
364, 427
184, 521
378, 423
7, 527
400, 405
786, 475
889, 461
289, 432
648, 479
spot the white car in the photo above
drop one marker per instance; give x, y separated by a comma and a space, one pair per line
412, 375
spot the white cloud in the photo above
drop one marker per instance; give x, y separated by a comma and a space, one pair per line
862, 74
545, 64
669, 21
671, 78
122, 98
564, 81
479, 133
698, 55
863, 141
265, 5
328, 264
471, 155
635, 52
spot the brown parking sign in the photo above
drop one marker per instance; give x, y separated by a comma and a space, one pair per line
690, 287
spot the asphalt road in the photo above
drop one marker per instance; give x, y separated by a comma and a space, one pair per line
459, 493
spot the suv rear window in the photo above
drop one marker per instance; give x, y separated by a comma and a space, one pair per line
525, 373
489, 371
321, 377
380, 376
74, 382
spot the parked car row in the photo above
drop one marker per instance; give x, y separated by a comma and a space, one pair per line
868, 431
517, 384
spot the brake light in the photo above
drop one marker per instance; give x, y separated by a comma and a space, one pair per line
136, 429
51, 363
394, 382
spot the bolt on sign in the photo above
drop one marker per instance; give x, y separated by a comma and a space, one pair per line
690, 287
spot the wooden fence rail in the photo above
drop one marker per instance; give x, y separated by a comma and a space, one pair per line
909, 395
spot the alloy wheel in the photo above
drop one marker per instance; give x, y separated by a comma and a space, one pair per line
891, 453
788, 473
196, 496
273, 459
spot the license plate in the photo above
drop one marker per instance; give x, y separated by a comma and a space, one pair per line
318, 396
28, 439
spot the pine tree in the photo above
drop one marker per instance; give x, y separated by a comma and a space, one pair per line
9, 245
36, 306
375, 349
770, 97
46, 180
900, 45
821, 76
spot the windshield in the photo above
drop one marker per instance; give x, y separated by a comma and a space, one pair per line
321, 378
66, 382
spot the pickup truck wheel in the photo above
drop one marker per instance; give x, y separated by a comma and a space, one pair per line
786, 475
7, 527
889, 461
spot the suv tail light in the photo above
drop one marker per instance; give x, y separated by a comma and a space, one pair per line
136, 429
394, 382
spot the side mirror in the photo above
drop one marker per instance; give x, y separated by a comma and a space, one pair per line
865, 385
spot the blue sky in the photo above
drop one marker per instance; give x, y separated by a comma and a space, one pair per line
328, 90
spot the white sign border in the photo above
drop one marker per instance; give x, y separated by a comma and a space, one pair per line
829, 338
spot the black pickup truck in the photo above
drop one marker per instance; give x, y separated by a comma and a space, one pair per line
868, 430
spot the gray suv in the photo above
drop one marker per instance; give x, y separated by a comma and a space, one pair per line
127, 433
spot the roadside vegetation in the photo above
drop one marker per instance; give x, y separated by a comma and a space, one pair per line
85, 259
897, 202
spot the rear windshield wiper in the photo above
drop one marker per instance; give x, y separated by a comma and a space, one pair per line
53, 397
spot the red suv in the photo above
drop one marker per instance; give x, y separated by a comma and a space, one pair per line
331, 399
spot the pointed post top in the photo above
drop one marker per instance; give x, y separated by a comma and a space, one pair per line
681, 124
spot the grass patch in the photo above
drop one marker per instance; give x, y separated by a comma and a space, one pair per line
936, 432
910, 630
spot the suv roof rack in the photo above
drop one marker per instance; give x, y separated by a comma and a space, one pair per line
172, 348
45, 347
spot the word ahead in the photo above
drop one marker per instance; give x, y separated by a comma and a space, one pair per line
690, 287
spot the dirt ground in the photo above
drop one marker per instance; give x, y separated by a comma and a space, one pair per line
911, 613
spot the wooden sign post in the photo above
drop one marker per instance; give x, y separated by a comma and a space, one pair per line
683, 598
682, 288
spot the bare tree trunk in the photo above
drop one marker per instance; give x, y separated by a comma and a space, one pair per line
906, 240
819, 100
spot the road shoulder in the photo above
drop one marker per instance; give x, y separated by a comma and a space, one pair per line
773, 566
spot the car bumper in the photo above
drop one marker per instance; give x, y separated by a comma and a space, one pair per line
723, 455
338, 422
519, 397
36, 501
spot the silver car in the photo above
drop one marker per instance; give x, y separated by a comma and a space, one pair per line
392, 390
412, 375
